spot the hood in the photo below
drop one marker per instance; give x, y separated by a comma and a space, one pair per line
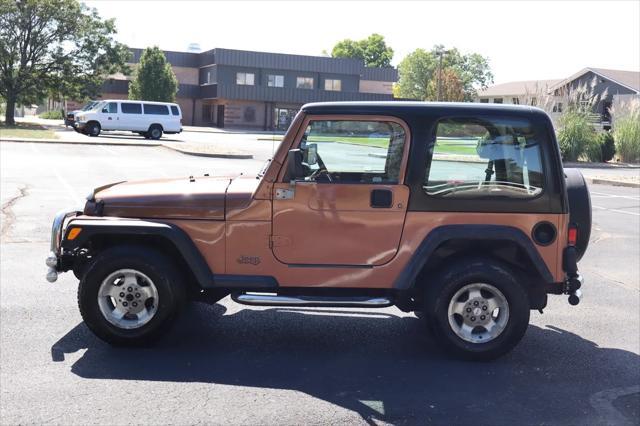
183, 198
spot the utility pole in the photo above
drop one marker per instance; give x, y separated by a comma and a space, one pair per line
440, 52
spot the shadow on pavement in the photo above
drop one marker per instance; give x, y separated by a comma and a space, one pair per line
378, 365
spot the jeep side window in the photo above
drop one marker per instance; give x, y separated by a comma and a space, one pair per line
477, 157
352, 151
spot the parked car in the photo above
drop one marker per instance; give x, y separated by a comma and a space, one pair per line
470, 235
70, 118
148, 119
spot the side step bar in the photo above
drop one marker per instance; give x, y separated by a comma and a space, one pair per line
265, 299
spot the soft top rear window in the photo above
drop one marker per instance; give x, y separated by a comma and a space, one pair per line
485, 157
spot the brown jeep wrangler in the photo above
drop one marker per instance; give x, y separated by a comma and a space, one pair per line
461, 213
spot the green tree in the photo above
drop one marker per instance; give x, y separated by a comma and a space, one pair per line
154, 79
418, 75
416, 72
373, 50
54, 46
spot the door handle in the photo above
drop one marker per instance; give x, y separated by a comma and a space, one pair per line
108, 118
381, 198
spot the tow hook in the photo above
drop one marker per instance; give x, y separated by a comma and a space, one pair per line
52, 262
572, 288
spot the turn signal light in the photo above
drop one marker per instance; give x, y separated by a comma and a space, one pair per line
573, 235
73, 233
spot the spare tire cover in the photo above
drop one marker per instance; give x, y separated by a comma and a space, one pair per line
579, 208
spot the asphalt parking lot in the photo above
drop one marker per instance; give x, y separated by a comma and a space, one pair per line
235, 364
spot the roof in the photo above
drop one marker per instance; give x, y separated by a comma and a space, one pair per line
406, 107
628, 79
518, 87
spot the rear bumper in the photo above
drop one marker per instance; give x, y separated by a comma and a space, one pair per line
574, 280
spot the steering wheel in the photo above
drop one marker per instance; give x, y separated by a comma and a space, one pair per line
322, 170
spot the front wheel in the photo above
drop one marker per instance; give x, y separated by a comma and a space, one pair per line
477, 309
93, 129
129, 295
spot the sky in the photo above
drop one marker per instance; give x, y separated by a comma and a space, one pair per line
523, 40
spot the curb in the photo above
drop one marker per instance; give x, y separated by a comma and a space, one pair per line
210, 155
63, 142
612, 182
146, 145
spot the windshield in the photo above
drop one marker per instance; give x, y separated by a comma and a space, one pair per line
96, 106
89, 106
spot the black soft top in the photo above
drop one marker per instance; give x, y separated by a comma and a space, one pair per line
400, 108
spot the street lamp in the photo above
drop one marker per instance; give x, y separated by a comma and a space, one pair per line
440, 52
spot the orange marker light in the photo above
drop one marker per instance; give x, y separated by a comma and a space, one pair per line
573, 236
74, 233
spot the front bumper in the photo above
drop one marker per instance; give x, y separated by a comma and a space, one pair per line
60, 222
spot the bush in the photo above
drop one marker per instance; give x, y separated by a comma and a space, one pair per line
577, 137
52, 115
626, 132
607, 146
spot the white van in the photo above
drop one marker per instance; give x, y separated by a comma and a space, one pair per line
148, 119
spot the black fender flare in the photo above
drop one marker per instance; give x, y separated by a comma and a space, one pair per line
444, 233
173, 234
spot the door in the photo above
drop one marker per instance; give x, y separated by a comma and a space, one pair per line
131, 117
220, 118
349, 207
109, 116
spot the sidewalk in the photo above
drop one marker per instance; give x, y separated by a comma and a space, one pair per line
198, 150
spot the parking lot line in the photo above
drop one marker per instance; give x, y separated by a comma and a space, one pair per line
605, 195
70, 191
615, 210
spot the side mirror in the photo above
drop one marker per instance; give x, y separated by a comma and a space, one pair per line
294, 164
312, 154
105, 110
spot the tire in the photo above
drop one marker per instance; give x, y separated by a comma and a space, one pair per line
157, 311
93, 129
579, 208
155, 132
458, 281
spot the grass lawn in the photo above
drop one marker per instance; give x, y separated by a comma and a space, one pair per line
355, 140
454, 146
25, 130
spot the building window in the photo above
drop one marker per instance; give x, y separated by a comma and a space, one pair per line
304, 83
497, 100
334, 85
245, 78
208, 77
484, 101
275, 80
557, 107
515, 101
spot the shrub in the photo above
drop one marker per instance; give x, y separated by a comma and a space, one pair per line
52, 115
607, 146
577, 137
626, 132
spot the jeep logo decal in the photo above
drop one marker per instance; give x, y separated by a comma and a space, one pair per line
249, 260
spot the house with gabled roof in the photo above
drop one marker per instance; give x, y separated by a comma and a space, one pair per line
606, 87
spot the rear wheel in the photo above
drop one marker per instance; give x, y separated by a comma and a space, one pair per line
129, 295
155, 132
477, 309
